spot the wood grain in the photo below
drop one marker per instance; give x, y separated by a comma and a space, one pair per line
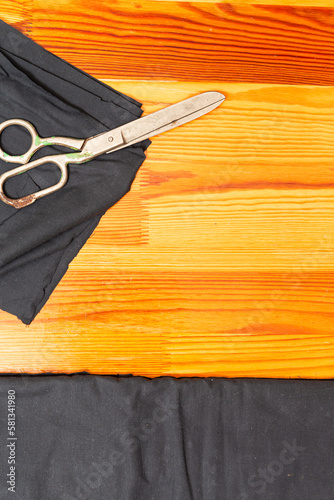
226, 266
180, 323
190, 41
225, 205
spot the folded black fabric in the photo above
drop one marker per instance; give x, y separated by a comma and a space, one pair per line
38, 242
117, 438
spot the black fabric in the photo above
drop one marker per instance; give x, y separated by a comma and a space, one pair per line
116, 438
38, 242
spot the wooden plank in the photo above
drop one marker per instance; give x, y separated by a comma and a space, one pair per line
180, 323
250, 184
18, 14
190, 41
226, 264
291, 3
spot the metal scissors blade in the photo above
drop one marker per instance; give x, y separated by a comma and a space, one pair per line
170, 117
107, 142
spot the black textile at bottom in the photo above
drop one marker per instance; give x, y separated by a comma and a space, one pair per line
117, 438
38, 242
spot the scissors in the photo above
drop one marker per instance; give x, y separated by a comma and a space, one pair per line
107, 142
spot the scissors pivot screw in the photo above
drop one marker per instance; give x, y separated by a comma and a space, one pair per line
110, 139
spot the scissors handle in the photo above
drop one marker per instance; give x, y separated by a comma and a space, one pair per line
36, 141
60, 160
89, 149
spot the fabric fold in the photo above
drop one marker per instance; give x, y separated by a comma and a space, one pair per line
86, 437
58, 99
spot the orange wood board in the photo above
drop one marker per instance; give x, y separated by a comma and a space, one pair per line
226, 267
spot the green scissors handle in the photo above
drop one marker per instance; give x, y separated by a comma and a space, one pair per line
36, 141
87, 149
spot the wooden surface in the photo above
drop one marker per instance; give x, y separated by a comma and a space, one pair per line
227, 266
